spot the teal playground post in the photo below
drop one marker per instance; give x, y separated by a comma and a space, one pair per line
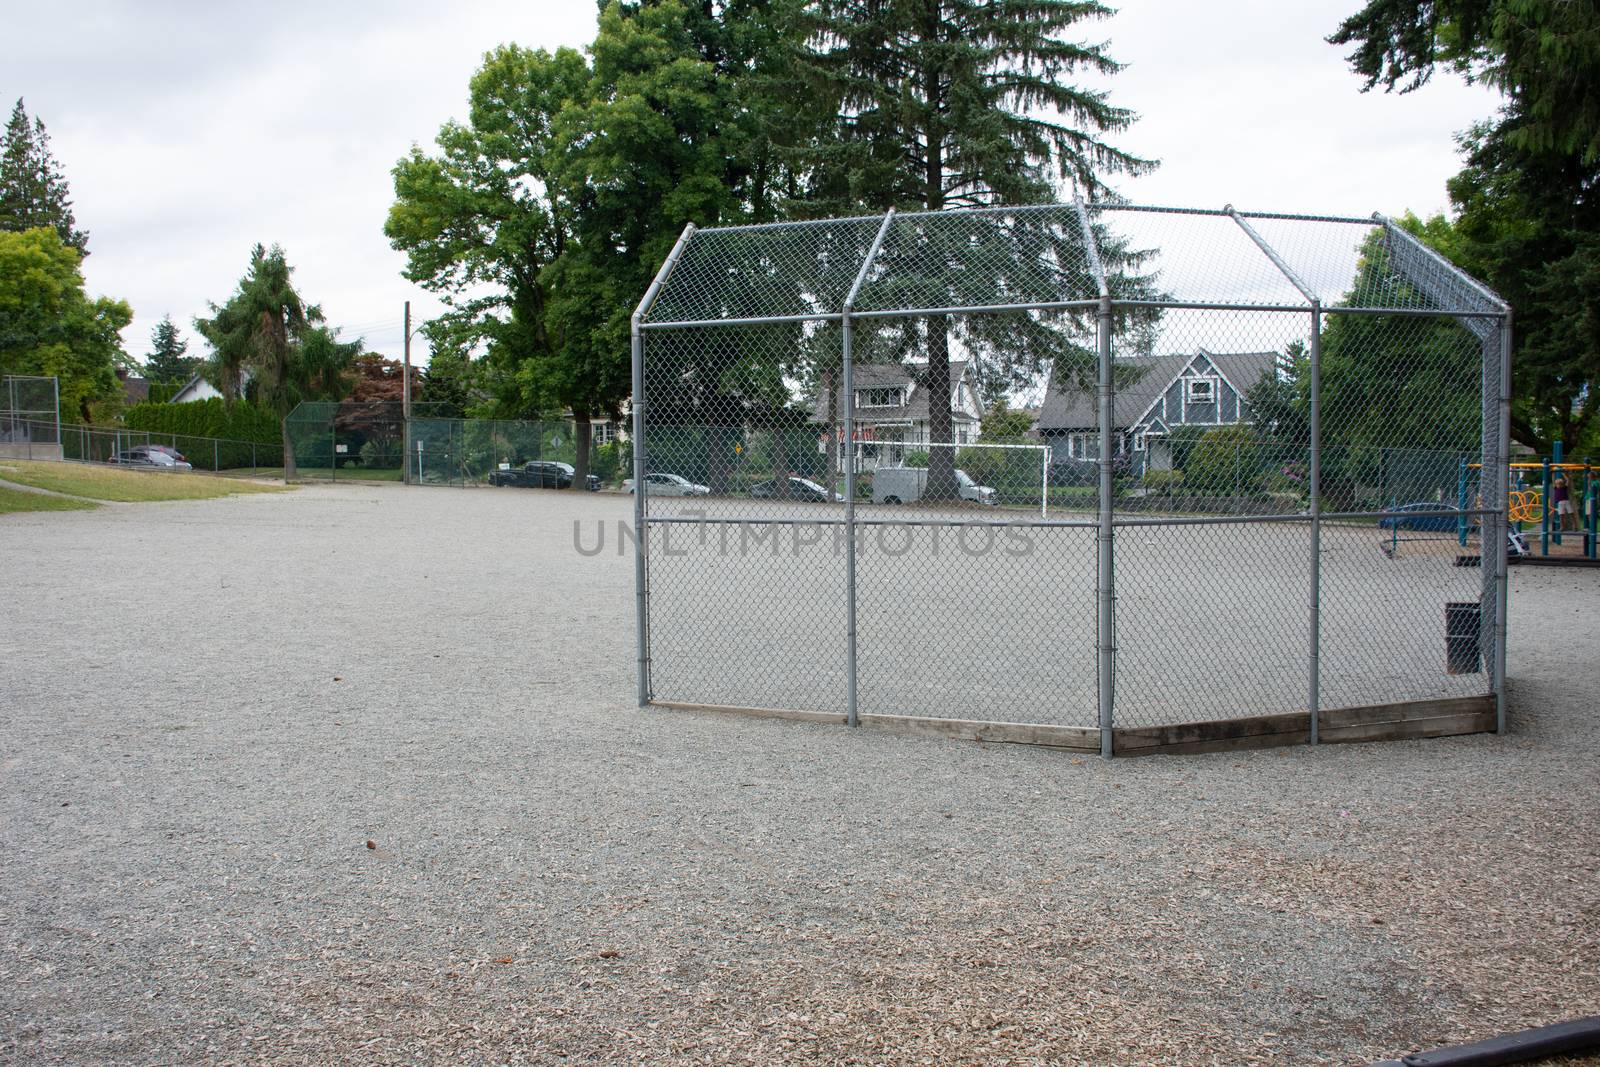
1544, 513
1591, 512
1461, 504
1555, 534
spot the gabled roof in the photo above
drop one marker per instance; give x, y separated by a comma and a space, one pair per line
1070, 406
888, 376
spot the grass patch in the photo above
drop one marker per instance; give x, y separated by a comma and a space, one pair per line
15, 500
344, 474
129, 486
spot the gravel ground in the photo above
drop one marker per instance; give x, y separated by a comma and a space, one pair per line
352, 774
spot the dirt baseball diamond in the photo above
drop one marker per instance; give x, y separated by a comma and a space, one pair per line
354, 773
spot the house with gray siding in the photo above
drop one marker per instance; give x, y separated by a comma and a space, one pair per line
1155, 395
891, 412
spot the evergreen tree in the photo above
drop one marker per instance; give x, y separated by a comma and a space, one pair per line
946, 103
33, 190
168, 360
260, 330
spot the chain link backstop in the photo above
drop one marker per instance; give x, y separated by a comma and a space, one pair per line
1264, 441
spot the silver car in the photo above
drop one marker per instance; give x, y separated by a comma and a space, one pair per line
670, 485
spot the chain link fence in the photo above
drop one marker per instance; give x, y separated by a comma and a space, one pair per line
1265, 482
333, 441
30, 417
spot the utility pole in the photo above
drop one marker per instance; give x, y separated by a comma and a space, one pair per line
405, 403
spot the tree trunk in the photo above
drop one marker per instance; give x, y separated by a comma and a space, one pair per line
583, 434
780, 460
288, 456
830, 426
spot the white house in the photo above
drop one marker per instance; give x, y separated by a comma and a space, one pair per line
197, 388
891, 412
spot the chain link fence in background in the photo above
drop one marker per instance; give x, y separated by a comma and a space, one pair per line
81, 443
30, 417
370, 441
1240, 514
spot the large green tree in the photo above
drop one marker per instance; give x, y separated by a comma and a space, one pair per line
50, 326
679, 126
541, 219
1528, 199
944, 103
33, 190
481, 221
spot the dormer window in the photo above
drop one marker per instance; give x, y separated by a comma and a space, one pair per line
1202, 390
878, 398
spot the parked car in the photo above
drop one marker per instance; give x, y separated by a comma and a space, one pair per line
906, 485
670, 485
535, 474
1425, 516
143, 456
796, 489
168, 449
591, 482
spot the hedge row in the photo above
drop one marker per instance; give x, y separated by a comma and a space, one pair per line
208, 418
237, 426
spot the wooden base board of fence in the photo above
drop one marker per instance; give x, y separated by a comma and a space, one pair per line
1405, 720
1400, 721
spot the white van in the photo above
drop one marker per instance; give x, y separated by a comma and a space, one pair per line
905, 485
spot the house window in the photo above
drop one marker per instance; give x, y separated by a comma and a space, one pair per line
605, 433
877, 398
1202, 390
1138, 442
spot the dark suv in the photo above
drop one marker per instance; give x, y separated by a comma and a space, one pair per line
536, 474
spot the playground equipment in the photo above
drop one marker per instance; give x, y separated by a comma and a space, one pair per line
1532, 504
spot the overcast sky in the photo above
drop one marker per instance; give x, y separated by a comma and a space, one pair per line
191, 131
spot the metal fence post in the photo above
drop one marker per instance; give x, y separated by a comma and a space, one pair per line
847, 388
1496, 500
1314, 483
641, 576
1105, 564
1106, 559
847, 376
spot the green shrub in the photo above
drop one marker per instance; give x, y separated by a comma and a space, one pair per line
917, 459
1225, 461
1160, 481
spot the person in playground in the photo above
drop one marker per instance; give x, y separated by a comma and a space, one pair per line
1561, 498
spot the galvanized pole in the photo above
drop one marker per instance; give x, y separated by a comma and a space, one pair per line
1106, 562
405, 401
848, 390
641, 590
1107, 534
1314, 483
55, 390
1501, 475
852, 715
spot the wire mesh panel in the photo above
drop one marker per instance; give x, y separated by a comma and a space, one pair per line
1265, 471
30, 417
978, 620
